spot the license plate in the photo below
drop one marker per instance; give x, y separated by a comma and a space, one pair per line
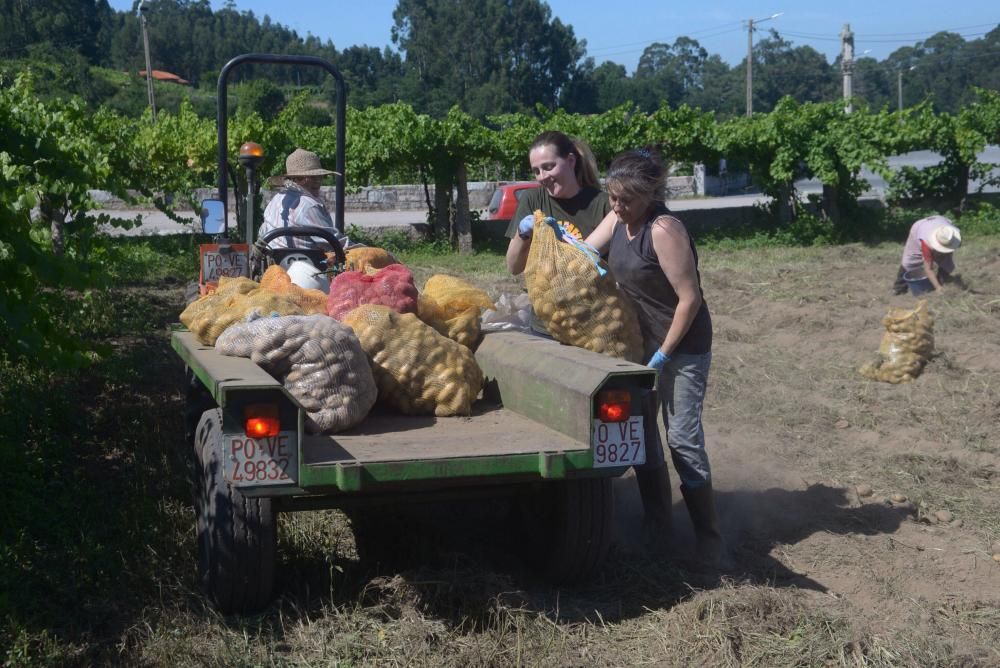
215, 264
260, 461
619, 443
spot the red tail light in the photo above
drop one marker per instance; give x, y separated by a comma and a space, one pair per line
614, 405
261, 421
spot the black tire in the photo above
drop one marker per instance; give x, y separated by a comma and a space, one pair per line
197, 400
237, 536
572, 528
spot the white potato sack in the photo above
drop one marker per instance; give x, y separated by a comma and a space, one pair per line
318, 360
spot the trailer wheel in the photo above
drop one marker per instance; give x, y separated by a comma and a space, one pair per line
237, 536
573, 528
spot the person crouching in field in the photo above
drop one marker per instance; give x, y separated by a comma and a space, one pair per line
928, 253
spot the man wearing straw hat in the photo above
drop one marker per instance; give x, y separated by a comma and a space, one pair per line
929, 253
298, 203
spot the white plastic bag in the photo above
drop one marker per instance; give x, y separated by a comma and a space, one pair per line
511, 314
305, 275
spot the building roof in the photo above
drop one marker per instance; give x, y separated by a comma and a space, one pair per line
160, 75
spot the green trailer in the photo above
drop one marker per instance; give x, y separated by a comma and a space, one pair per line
537, 432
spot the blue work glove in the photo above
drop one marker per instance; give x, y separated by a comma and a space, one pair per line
526, 226
658, 360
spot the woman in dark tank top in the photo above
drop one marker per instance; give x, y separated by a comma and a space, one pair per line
655, 263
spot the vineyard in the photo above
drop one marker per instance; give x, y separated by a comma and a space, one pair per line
91, 402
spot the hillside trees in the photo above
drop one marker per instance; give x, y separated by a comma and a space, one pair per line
489, 57
783, 70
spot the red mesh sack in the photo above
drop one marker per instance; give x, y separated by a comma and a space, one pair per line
391, 286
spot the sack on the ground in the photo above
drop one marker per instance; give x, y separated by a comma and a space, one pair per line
906, 345
453, 307
211, 315
576, 298
277, 280
391, 286
417, 370
317, 359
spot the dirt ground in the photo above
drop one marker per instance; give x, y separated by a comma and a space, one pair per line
808, 455
823, 566
831, 485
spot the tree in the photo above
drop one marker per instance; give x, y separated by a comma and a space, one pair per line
670, 72
494, 56
594, 90
780, 70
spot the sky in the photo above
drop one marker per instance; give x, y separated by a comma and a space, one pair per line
619, 31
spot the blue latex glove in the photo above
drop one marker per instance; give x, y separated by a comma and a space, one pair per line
526, 226
551, 222
658, 360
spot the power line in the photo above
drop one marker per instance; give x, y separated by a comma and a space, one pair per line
867, 40
661, 41
635, 50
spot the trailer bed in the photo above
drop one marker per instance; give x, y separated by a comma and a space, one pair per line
491, 430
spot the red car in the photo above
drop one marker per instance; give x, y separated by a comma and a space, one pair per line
505, 198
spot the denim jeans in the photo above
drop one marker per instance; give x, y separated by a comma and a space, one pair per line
681, 389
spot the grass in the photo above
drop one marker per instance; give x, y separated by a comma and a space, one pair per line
97, 539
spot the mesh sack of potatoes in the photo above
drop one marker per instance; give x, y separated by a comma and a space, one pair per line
277, 280
456, 295
211, 315
576, 299
391, 286
462, 327
453, 307
367, 258
228, 285
317, 359
906, 345
417, 370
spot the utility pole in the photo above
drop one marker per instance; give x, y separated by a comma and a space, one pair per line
750, 28
149, 69
847, 65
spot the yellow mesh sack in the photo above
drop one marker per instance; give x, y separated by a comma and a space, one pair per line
369, 257
417, 370
211, 315
453, 307
906, 345
462, 326
578, 305
277, 280
229, 285
455, 295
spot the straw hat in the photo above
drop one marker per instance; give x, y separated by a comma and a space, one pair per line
945, 239
304, 163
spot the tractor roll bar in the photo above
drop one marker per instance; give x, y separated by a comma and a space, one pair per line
222, 119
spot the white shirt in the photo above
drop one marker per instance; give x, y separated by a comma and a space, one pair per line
293, 206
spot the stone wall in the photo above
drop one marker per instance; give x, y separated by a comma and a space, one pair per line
393, 198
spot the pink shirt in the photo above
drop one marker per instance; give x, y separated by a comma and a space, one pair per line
916, 242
